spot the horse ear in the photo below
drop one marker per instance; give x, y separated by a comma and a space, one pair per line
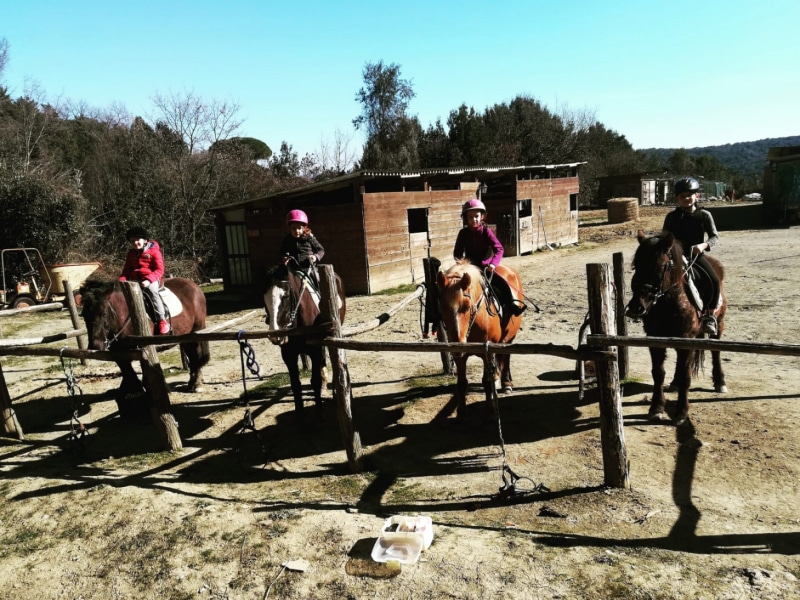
441, 280
466, 280
667, 241
641, 236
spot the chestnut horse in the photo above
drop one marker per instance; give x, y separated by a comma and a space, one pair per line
468, 315
660, 300
290, 300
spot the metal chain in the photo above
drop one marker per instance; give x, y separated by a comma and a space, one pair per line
248, 359
77, 430
510, 479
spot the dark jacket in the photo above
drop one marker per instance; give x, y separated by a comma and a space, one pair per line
692, 228
480, 246
302, 249
146, 263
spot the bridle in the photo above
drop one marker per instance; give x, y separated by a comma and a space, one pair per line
655, 292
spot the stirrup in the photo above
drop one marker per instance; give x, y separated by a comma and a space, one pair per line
709, 324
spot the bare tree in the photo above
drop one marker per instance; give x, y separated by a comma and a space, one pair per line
197, 124
3, 55
336, 156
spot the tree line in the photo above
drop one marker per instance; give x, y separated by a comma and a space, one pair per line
73, 179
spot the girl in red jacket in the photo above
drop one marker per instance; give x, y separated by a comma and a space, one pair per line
145, 264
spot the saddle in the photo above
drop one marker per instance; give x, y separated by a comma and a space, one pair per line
698, 285
501, 297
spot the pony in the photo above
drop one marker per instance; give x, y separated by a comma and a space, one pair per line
291, 300
661, 301
105, 313
469, 315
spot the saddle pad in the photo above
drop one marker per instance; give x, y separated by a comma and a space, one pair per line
171, 301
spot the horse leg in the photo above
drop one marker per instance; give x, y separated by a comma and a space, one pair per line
289, 355
193, 354
461, 385
716, 372
315, 354
657, 405
684, 380
504, 367
489, 378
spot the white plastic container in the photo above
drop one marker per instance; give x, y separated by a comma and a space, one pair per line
403, 538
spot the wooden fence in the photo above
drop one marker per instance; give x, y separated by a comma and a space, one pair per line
604, 346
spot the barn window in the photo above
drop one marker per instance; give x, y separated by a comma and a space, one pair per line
525, 208
573, 202
417, 220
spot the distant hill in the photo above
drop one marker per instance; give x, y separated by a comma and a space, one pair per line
747, 158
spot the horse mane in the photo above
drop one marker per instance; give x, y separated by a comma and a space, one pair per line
463, 266
276, 273
96, 290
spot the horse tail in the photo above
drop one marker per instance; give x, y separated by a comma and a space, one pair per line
696, 364
205, 354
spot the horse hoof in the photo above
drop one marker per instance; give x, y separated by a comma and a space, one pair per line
681, 419
658, 416
672, 388
507, 389
196, 389
722, 389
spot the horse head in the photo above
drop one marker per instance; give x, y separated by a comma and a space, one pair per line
460, 295
101, 318
656, 271
278, 302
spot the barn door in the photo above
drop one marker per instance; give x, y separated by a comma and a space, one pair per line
237, 254
525, 220
419, 241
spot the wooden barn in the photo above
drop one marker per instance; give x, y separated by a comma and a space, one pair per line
377, 227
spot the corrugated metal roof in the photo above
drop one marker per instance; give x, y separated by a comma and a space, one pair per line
337, 181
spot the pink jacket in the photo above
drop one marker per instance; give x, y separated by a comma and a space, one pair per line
145, 264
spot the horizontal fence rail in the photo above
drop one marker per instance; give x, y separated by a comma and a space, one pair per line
695, 344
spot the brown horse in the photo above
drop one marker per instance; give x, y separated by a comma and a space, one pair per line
105, 312
468, 315
660, 300
290, 300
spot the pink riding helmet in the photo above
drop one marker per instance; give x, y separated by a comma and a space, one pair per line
473, 204
297, 216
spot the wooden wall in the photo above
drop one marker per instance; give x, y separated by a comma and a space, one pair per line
338, 228
392, 256
553, 197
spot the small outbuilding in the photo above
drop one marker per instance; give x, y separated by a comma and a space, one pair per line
646, 188
782, 186
377, 226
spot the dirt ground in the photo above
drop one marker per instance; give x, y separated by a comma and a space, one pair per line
713, 510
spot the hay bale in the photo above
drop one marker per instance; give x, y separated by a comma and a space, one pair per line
622, 210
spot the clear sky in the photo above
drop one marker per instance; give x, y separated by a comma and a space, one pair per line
668, 73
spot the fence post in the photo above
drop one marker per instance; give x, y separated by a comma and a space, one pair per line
432, 314
342, 391
151, 370
11, 425
622, 323
83, 343
616, 468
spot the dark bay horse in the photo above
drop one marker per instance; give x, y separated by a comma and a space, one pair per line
660, 300
105, 312
291, 300
469, 316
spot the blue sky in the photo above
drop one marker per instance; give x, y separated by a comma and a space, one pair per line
664, 74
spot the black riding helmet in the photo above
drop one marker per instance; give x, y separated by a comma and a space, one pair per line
687, 184
136, 233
